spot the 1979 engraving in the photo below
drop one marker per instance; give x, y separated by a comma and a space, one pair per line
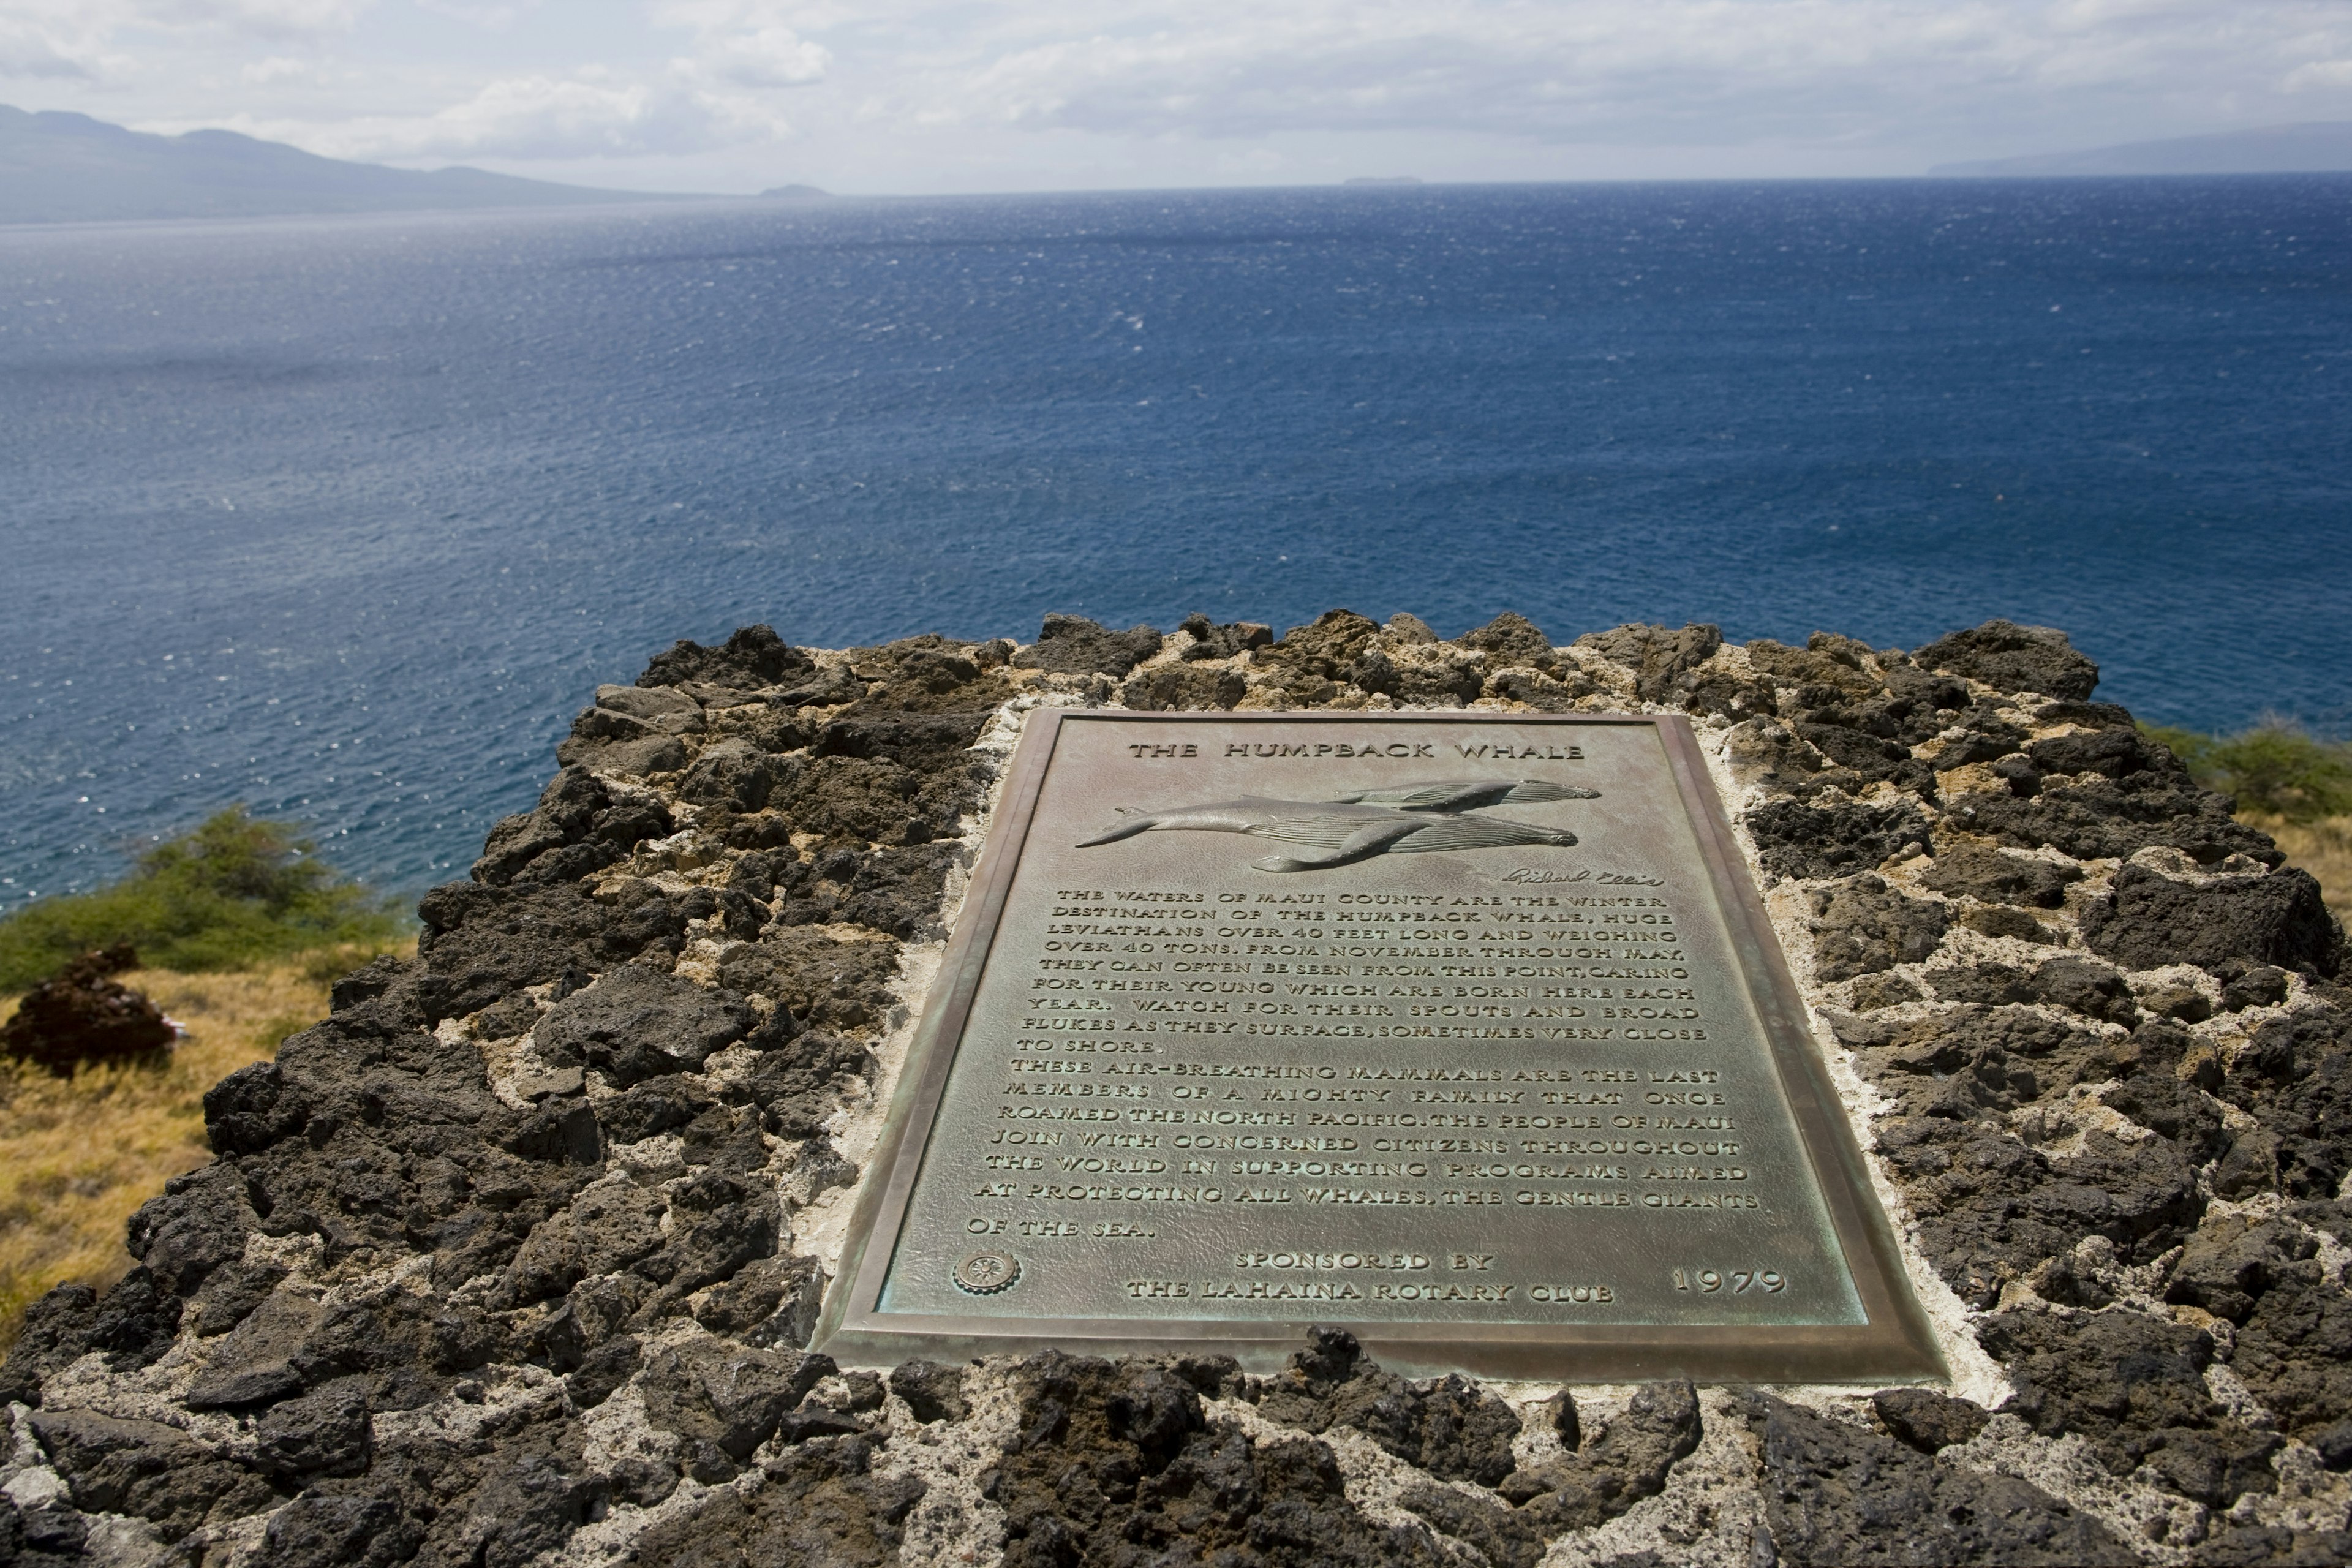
1492, 1112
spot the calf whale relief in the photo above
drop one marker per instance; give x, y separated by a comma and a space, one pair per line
1398, 819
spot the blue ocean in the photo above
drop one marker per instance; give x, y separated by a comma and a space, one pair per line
344, 519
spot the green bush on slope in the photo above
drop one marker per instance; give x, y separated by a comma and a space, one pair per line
236, 891
2275, 769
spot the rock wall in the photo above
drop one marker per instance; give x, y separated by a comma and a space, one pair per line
511, 1260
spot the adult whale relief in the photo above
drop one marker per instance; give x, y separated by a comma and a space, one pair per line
1405, 819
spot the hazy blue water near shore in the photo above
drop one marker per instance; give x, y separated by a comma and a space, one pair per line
344, 519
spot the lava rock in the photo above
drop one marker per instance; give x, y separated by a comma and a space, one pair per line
199, 1223
820, 1503
2230, 1262
794, 1084
55, 1335
1211, 640
2094, 817
935, 1393
481, 944
1837, 1495
82, 1015
2091, 989
147, 1469
1926, 1420
258, 1360
1998, 920
603, 1370
1866, 927
1114, 1454
2245, 986
328, 1431
1178, 688
2151, 920
752, 657
1979, 872
577, 828
2295, 1077
1874, 990
1510, 639
729, 1397
319, 1531
1071, 645
825, 983
2133, 1387
1659, 659
2295, 1348
1448, 1427
2010, 658
638, 1023
1630, 1460
612, 1224
1793, 839
137, 1320
735, 774
49, 1531
772, 1302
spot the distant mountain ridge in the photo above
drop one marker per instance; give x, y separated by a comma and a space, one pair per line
2313, 147
70, 168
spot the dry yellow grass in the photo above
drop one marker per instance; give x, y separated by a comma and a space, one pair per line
78, 1155
2324, 848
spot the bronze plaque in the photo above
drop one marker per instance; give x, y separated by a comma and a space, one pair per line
1466, 1031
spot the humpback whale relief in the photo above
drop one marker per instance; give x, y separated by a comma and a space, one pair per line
1401, 819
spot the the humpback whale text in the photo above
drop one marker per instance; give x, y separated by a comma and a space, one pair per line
1402, 819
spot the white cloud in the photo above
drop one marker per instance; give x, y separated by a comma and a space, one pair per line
277, 68
490, 18
770, 56
590, 115
110, 40
1607, 70
27, 52
2320, 76
265, 18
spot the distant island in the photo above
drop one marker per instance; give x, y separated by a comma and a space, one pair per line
2314, 147
796, 193
70, 168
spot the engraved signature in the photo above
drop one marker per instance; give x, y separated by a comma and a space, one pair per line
1600, 879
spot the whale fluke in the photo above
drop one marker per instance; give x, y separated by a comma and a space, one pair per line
1464, 794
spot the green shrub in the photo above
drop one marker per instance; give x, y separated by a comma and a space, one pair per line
236, 891
2275, 769
2192, 748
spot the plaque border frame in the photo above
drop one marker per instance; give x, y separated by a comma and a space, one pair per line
1896, 1343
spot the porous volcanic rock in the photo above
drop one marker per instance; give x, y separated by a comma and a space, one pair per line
514, 1257
82, 1014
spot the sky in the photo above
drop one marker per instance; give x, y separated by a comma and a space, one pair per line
952, 96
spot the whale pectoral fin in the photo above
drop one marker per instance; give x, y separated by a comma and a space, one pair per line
1450, 797
1482, 833
1536, 789
1457, 795
1369, 839
1137, 822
